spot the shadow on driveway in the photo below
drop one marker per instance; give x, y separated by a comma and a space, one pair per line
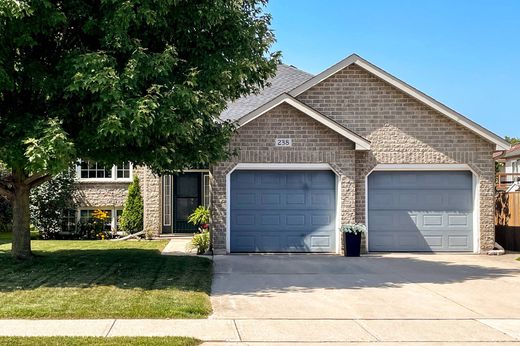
307, 272
375, 286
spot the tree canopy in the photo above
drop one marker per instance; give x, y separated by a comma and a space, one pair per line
114, 81
512, 140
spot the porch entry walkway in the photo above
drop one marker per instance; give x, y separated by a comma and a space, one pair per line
178, 246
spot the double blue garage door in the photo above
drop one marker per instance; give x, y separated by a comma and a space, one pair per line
283, 211
295, 211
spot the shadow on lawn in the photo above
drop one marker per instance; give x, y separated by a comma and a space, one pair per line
123, 268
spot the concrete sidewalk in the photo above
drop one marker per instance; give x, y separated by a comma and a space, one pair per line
244, 331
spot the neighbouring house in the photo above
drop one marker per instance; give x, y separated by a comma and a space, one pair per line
352, 144
508, 178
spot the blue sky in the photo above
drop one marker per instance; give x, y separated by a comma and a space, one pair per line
463, 53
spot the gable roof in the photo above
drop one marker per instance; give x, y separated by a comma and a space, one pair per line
360, 142
501, 144
286, 78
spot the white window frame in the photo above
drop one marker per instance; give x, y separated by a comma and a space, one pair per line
167, 186
114, 177
113, 215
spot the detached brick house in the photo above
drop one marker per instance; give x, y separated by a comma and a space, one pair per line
352, 144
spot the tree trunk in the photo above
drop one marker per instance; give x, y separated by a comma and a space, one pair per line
21, 247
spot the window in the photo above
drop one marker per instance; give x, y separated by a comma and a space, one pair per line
207, 195
167, 200
113, 216
68, 221
119, 212
123, 171
93, 170
89, 170
87, 215
514, 167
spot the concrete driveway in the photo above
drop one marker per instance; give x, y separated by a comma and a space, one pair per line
380, 286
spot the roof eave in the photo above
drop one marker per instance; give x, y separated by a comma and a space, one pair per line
360, 142
500, 143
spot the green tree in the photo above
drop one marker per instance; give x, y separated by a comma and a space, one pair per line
512, 140
49, 202
114, 81
132, 217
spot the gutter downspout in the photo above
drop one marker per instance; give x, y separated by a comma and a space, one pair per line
497, 251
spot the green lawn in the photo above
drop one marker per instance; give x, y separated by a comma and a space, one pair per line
103, 279
115, 341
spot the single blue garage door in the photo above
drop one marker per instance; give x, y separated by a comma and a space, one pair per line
420, 211
283, 211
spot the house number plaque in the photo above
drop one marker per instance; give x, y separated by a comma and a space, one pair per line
283, 142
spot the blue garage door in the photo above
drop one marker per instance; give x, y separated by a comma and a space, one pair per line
420, 211
283, 211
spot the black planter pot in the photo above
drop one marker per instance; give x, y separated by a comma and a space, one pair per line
352, 244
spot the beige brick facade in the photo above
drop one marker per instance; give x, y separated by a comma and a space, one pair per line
312, 143
401, 129
102, 194
91, 194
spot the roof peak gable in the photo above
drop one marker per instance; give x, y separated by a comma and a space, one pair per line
352, 59
360, 142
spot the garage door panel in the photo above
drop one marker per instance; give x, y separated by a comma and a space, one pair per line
270, 200
433, 241
262, 220
298, 216
421, 199
457, 221
244, 243
459, 200
287, 242
295, 220
392, 219
295, 199
322, 241
405, 221
423, 180
458, 242
431, 221
321, 220
322, 200
420, 211
270, 220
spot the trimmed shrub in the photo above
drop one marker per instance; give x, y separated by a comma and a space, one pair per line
133, 210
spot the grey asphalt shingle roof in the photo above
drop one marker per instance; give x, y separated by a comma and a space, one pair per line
287, 78
514, 151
